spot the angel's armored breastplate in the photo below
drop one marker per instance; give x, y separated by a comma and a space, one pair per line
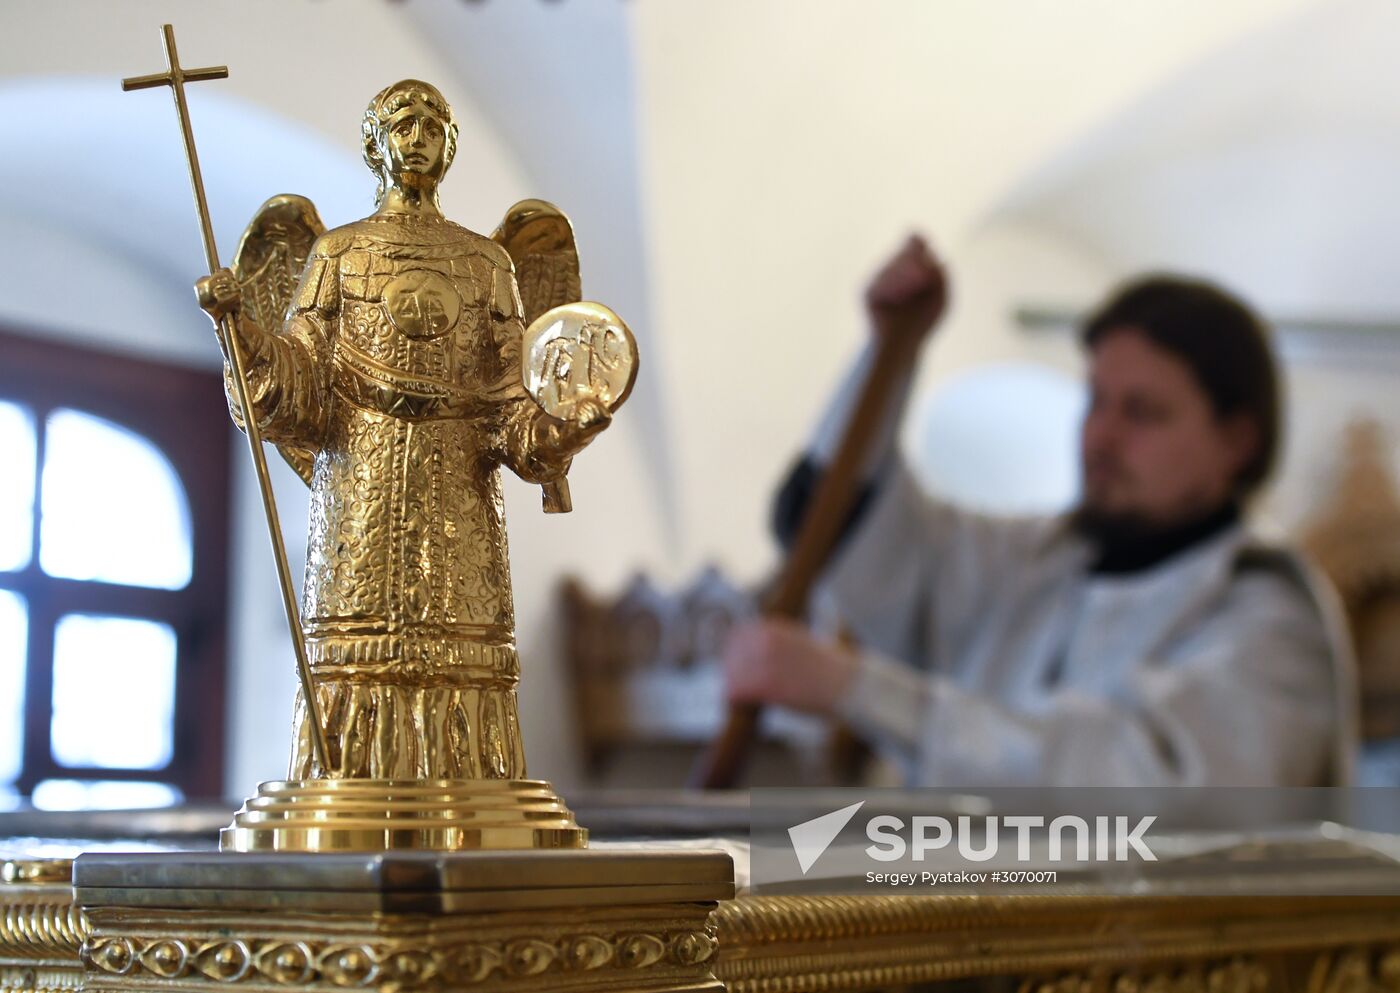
407, 561
420, 309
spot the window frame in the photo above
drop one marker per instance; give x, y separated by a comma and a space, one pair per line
181, 410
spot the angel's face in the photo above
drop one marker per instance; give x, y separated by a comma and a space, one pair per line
415, 146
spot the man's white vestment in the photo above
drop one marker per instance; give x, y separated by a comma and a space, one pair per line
993, 656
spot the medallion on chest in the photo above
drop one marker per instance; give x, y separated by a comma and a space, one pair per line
422, 303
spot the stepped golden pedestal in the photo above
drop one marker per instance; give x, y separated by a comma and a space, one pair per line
359, 815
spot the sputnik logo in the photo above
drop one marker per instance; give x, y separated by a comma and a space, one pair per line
811, 839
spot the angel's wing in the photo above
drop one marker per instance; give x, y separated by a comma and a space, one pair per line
540, 241
269, 261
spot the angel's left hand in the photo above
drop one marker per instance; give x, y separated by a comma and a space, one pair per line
564, 439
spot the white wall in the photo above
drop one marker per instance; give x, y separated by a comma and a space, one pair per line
789, 145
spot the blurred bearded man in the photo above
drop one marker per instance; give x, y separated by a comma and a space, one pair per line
1145, 638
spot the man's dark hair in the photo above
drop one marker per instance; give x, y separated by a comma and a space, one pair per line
1220, 339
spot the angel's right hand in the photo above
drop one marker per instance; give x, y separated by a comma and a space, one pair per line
219, 294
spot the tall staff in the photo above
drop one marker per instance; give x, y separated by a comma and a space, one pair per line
817, 536
175, 77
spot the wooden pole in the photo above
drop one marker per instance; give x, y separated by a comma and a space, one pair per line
723, 762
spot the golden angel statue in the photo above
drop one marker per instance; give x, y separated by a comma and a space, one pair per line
390, 362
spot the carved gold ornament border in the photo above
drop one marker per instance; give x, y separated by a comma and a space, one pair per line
402, 964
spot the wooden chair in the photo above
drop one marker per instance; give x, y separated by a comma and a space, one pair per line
647, 687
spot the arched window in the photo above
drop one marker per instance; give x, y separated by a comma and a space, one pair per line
113, 551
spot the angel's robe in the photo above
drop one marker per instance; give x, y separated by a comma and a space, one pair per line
398, 373
994, 655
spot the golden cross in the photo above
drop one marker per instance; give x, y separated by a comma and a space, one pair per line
175, 77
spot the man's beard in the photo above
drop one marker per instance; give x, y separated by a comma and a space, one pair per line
1113, 527
1128, 542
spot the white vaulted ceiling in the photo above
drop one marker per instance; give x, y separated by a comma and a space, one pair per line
1271, 163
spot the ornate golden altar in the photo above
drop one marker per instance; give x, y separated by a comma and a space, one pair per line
517, 921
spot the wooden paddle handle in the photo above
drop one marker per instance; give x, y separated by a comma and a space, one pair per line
822, 523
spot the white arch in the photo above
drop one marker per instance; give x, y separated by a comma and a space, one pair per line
102, 241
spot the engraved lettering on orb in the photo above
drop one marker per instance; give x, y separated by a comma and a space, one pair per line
422, 303
578, 354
